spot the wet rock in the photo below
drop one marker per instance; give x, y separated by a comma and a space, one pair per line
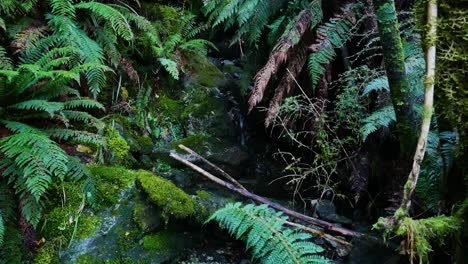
326, 210
323, 208
338, 219
232, 156
147, 217
342, 251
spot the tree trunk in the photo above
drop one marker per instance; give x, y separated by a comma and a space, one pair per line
410, 185
392, 49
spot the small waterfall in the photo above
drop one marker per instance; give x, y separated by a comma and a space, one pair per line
241, 128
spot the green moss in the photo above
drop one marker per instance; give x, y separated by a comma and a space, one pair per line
116, 144
208, 106
204, 72
87, 259
230, 68
172, 201
171, 108
111, 181
162, 241
60, 223
144, 143
204, 194
194, 142
47, 254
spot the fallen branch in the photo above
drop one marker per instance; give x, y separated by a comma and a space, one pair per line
230, 178
319, 233
314, 221
227, 176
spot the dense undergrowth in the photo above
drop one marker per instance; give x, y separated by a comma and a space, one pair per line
88, 83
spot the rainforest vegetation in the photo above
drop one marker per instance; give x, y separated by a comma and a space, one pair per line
233, 131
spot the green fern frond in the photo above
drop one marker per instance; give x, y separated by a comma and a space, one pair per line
39, 105
430, 175
333, 34
76, 135
82, 117
116, 19
379, 84
198, 46
63, 8
378, 119
32, 209
83, 103
262, 230
250, 17
38, 158
5, 61
170, 66
448, 149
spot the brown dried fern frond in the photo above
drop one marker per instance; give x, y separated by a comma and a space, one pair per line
287, 83
307, 18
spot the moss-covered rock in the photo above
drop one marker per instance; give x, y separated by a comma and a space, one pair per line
195, 142
204, 194
111, 181
47, 254
65, 221
204, 72
170, 108
162, 241
204, 108
61, 223
146, 216
172, 201
116, 145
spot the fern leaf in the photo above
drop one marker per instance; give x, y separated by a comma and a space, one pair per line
5, 61
63, 8
38, 157
39, 105
381, 118
264, 234
332, 35
76, 135
117, 20
171, 67
83, 103
378, 84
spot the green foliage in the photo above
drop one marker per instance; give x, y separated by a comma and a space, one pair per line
251, 18
173, 202
262, 230
378, 119
333, 34
421, 232
452, 60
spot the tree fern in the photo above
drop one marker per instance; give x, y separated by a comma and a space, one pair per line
333, 34
262, 230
